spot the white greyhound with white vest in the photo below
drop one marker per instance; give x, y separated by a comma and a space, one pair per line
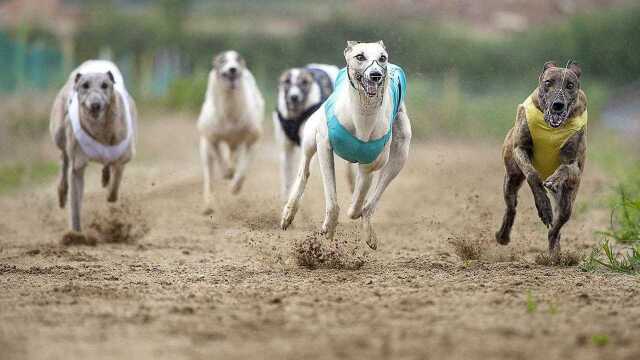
230, 122
93, 118
364, 121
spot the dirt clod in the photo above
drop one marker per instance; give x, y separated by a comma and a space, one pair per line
72, 238
122, 223
314, 253
467, 249
568, 258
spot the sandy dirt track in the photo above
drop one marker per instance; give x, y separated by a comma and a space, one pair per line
228, 286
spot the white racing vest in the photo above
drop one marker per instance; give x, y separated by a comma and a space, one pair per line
95, 150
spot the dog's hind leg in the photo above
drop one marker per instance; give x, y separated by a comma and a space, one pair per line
63, 186
114, 185
351, 170
244, 153
398, 154
106, 176
206, 157
363, 183
512, 183
328, 171
309, 149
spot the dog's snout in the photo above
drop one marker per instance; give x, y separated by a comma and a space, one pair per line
294, 98
557, 106
233, 70
375, 76
95, 107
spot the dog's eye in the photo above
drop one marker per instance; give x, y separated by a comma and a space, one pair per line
104, 86
360, 57
383, 58
547, 83
570, 86
305, 82
85, 86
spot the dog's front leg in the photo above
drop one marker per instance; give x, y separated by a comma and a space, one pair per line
77, 190
563, 186
328, 171
287, 167
398, 154
114, 185
206, 158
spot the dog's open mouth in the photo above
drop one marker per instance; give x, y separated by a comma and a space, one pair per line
555, 120
370, 87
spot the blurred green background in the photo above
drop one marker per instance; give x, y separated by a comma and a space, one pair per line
469, 62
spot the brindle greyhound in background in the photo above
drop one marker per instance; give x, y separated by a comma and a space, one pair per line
550, 153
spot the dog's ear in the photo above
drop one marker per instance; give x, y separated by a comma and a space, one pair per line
350, 45
548, 65
382, 44
110, 75
78, 76
217, 60
575, 67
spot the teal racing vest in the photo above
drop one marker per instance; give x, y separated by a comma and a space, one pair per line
345, 144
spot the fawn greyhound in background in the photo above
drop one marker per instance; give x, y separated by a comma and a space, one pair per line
547, 148
364, 121
230, 122
93, 118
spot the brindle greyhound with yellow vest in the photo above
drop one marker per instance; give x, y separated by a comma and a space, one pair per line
547, 148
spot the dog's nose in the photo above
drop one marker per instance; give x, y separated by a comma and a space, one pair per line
294, 98
233, 71
95, 107
557, 106
375, 76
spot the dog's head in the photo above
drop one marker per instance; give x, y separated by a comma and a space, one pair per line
295, 86
558, 90
229, 67
95, 93
367, 66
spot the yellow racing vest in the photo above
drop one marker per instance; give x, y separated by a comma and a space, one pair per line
548, 141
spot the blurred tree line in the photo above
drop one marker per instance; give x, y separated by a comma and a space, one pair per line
160, 55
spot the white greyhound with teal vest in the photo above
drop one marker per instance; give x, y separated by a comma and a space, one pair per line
364, 121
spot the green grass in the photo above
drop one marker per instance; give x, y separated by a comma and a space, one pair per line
14, 176
600, 340
627, 260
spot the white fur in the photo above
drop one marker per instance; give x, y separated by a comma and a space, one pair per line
230, 123
366, 119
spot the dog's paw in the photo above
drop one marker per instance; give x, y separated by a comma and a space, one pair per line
551, 185
62, 197
354, 213
228, 173
544, 211
502, 238
236, 186
112, 197
288, 214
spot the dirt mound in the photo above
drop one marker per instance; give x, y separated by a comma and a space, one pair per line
567, 258
122, 223
343, 253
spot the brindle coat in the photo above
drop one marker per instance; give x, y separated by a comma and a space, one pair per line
517, 151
